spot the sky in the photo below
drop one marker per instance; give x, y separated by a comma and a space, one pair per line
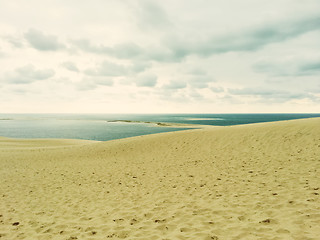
168, 56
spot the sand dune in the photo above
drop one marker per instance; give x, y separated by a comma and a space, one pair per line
8, 143
258, 181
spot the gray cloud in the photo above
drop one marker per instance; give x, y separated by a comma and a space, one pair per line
1, 54
254, 91
195, 95
271, 94
174, 85
247, 40
104, 81
151, 16
311, 67
125, 50
14, 41
292, 68
200, 81
163, 54
43, 42
27, 74
129, 51
70, 66
198, 72
90, 83
86, 85
175, 48
198, 78
274, 69
107, 69
140, 66
146, 80
217, 89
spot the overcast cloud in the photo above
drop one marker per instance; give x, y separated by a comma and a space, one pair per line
27, 74
70, 66
41, 41
293, 68
182, 56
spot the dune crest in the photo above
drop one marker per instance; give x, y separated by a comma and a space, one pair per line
258, 181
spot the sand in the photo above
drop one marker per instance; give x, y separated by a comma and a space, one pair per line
258, 181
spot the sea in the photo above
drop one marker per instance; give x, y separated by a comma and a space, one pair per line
104, 127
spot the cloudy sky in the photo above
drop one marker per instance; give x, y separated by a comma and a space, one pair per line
152, 56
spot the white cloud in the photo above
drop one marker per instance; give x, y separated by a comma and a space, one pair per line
27, 74
204, 53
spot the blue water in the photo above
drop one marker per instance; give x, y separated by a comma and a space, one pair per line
97, 127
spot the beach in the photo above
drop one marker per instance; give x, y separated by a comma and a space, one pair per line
255, 181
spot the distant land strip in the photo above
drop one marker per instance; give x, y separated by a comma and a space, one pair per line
163, 124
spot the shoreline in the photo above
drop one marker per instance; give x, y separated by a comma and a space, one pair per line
174, 125
253, 181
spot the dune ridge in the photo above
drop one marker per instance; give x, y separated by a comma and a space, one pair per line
257, 181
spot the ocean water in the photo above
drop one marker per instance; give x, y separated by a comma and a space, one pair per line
98, 126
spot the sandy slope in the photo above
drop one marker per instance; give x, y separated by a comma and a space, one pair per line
257, 181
